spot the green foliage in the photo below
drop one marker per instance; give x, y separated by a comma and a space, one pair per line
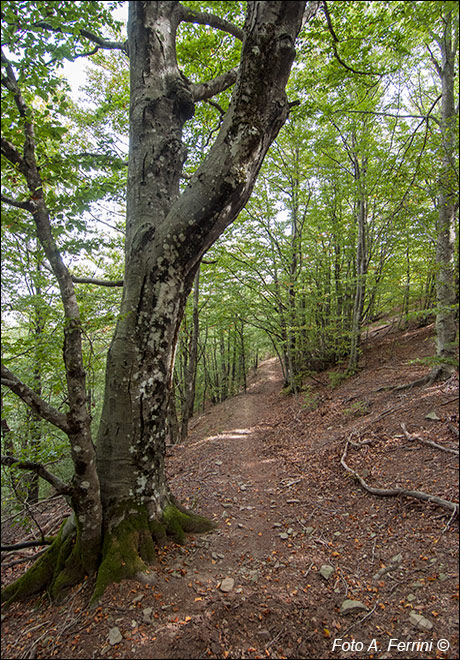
336, 378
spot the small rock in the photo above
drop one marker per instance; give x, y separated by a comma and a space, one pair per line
227, 584
265, 634
326, 571
277, 525
433, 416
442, 577
218, 462
283, 536
290, 530
146, 578
147, 615
309, 530
138, 598
419, 621
417, 585
337, 533
115, 636
411, 597
350, 606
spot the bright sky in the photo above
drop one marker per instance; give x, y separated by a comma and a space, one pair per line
75, 72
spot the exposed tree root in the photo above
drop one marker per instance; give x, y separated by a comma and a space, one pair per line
393, 492
440, 372
427, 442
58, 568
128, 551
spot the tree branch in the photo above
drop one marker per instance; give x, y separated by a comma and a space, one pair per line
12, 154
204, 18
31, 398
90, 280
94, 38
206, 90
426, 441
27, 205
392, 492
26, 544
38, 468
336, 41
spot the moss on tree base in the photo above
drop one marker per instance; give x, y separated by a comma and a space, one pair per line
128, 550
59, 568
129, 547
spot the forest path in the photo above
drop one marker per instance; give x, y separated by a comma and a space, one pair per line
225, 452
295, 536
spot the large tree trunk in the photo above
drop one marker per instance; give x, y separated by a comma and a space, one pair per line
122, 501
167, 234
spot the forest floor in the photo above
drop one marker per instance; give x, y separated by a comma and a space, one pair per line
296, 535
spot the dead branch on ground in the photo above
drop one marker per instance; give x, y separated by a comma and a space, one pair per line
394, 492
427, 442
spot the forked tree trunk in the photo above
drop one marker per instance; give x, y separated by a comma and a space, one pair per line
167, 234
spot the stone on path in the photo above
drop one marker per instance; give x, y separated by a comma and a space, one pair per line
227, 584
350, 606
115, 636
419, 621
326, 571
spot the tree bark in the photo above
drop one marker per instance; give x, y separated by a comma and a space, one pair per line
167, 234
190, 370
124, 499
446, 326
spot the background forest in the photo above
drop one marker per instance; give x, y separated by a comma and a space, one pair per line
344, 227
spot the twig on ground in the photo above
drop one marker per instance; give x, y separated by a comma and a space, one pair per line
453, 429
267, 646
454, 513
23, 560
357, 623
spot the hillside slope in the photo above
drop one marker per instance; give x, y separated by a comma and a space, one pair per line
297, 536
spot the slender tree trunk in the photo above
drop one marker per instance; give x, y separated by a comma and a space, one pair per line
360, 287
446, 326
190, 372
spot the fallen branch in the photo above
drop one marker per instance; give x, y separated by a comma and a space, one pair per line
24, 560
394, 492
357, 623
26, 544
427, 442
